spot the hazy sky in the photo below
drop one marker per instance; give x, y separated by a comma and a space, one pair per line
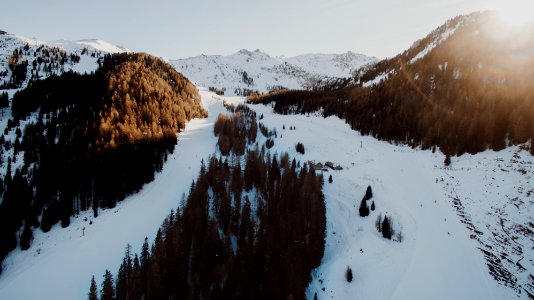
177, 29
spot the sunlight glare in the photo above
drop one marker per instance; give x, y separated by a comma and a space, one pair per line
515, 12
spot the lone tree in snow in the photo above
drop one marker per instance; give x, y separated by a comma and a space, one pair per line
373, 206
348, 274
387, 230
330, 179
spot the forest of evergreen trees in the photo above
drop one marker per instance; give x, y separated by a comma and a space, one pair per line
93, 140
468, 94
32, 63
230, 240
237, 131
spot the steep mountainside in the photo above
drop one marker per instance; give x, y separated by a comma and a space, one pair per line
464, 88
76, 142
23, 59
257, 71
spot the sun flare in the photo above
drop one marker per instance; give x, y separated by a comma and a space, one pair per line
515, 12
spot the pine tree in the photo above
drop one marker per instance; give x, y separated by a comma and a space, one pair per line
373, 206
348, 274
364, 210
368, 193
107, 292
330, 179
387, 230
93, 292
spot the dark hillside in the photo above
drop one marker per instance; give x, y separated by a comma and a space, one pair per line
469, 93
94, 139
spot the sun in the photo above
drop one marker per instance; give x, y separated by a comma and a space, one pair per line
515, 12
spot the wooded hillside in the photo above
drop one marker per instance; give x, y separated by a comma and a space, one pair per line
469, 93
91, 141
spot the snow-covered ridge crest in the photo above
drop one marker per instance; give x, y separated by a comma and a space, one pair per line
90, 44
42, 59
257, 70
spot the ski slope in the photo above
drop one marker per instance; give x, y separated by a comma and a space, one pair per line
437, 259
60, 263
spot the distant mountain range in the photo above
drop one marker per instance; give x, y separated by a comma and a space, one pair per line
258, 71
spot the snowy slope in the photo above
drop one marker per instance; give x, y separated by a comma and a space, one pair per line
90, 44
373, 74
60, 263
88, 52
436, 259
264, 72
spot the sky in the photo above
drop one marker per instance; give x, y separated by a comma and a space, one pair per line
179, 29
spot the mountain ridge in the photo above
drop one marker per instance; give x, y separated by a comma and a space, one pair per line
259, 71
24, 59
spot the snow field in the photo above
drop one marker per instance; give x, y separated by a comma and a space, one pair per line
436, 259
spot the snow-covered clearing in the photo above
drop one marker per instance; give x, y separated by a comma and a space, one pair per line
437, 259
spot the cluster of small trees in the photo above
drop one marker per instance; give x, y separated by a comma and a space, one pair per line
385, 226
236, 131
71, 163
364, 208
224, 245
457, 102
217, 91
300, 148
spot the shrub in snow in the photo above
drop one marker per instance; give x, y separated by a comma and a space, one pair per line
300, 148
348, 274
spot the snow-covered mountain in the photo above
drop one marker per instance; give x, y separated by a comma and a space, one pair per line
467, 228
256, 70
22, 59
